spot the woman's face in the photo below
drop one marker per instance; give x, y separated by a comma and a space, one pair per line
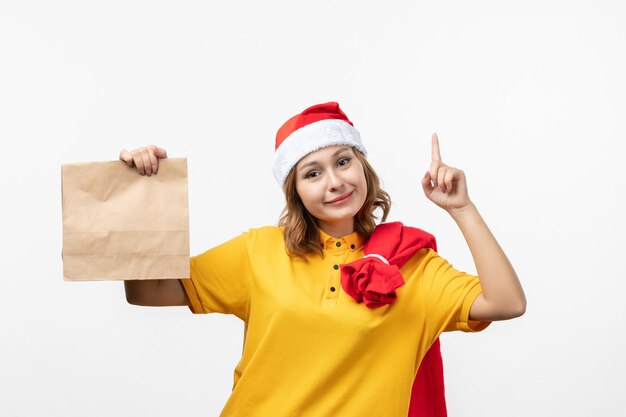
332, 186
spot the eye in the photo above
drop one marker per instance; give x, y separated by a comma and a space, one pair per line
343, 161
312, 174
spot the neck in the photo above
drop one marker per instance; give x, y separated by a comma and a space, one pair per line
337, 230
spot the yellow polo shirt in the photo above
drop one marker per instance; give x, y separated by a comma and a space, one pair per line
309, 348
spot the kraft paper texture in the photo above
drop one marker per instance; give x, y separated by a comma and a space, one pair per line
119, 225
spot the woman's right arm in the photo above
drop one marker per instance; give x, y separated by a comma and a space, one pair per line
156, 292
152, 292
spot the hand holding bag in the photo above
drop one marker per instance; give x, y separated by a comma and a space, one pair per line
119, 225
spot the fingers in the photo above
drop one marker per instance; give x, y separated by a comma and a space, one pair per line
440, 173
435, 163
153, 161
447, 180
145, 159
435, 154
442, 177
147, 165
426, 184
126, 157
138, 160
434, 170
160, 152
156, 153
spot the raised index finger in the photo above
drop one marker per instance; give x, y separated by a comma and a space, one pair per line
436, 156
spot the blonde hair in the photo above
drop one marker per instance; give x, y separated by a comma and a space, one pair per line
301, 228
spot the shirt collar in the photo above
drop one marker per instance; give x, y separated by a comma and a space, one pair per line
353, 241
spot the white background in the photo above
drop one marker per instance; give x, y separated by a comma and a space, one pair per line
528, 99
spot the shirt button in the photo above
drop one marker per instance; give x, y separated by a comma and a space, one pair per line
336, 267
332, 289
352, 246
338, 244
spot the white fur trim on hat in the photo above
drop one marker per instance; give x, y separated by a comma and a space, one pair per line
310, 138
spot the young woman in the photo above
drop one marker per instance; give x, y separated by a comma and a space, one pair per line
339, 312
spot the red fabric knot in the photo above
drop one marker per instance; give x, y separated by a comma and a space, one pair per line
370, 280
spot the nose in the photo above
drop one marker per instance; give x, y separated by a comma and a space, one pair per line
335, 182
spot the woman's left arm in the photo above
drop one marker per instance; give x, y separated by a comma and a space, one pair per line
502, 296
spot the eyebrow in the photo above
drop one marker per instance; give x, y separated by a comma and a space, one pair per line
308, 164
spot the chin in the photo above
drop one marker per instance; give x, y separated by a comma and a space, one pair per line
343, 216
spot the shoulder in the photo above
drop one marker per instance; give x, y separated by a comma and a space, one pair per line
421, 259
266, 237
252, 245
264, 232
256, 237
427, 264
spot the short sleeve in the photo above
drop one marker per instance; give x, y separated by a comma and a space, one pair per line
220, 280
449, 294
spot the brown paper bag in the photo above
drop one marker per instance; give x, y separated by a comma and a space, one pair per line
119, 225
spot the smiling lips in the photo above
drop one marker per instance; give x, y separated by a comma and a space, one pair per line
341, 199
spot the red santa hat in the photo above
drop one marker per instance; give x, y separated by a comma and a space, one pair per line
316, 127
